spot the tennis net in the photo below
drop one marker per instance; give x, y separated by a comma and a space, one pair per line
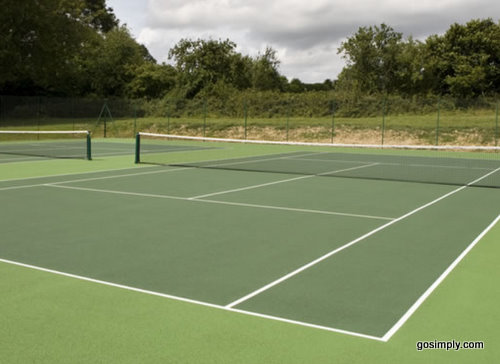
450, 165
46, 144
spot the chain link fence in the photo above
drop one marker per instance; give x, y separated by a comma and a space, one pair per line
318, 117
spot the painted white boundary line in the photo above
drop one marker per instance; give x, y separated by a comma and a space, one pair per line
438, 281
248, 187
188, 300
19, 159
394, 164
94, 178
345, 246
280, 181
74, 174
254, 159
122, 175
323, 212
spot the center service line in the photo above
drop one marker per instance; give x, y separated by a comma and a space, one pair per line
281, 181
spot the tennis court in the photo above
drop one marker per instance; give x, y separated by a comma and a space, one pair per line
297, 234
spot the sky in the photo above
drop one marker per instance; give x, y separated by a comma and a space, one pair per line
306, 34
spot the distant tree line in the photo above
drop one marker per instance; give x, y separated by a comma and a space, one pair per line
79, 48
464, 62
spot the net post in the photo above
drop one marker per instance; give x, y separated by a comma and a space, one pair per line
137, 148
89, 146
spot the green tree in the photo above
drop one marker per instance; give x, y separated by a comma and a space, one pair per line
296, 86
42, 43
96, 14
265, 75
465, 61
409, 75
151, 81
372, 59
116, 62
202, 64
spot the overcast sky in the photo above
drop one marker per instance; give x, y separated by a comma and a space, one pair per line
305, 33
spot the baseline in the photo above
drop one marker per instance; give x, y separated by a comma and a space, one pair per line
188, 300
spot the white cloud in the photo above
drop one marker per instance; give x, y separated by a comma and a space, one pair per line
306, 33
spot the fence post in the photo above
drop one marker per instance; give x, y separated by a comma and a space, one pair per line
287, 118
72, 111
38, 114
496, 127
135, 117
437, 121
204, 117
333, 120
245, 115
383, 118
104, 109
168, 116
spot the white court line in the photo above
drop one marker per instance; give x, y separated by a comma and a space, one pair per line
123, 175
436, 283
138, 194
236, 161
323, 212
351, 243
394, 164
114, 192
72, 174
188, 300
248, 187
20, 187
95, 178
280, 181
20, 159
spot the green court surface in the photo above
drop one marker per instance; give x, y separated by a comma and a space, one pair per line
119, 262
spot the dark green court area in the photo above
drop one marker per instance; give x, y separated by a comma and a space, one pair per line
340, 253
